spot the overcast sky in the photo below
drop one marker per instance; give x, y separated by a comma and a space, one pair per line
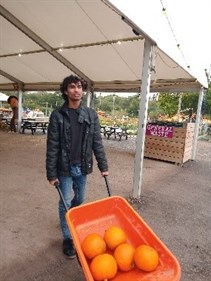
190, 21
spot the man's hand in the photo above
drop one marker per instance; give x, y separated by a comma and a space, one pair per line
54, 182
104, 173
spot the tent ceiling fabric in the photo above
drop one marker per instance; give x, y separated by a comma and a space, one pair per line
3, 97
44, 41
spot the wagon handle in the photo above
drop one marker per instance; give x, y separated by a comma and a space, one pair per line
107, 185
61, 196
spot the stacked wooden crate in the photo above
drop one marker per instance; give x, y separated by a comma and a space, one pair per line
177, 149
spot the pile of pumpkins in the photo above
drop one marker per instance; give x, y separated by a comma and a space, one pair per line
112, 252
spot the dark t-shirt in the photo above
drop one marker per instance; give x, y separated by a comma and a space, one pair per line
13, 121
15, 112
76, 137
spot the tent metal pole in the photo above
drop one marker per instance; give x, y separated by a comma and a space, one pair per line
20, 107
197, 123
143, 108
89, 97
179, 107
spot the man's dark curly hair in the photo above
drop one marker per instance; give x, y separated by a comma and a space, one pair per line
11, 97
68, 80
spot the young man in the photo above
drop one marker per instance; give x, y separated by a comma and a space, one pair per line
73, 137
13, 102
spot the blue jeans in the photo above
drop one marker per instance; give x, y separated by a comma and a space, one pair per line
75, 183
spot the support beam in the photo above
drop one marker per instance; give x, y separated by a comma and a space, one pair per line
145, 88
20, 108
10, 77
197, 123
179, 107
23, 28
89, 99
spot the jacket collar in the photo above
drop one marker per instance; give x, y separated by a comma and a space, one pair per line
81, 110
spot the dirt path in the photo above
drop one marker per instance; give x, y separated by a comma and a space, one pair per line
175, 202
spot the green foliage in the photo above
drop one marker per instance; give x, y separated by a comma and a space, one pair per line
190, 101
104, 103
153, 110
133, 106
117, 107
168, 103
206, 106
131, 124
44, 101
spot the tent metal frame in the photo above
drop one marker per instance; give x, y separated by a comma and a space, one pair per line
146, 83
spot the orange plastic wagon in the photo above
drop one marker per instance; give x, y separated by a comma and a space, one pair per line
99, 215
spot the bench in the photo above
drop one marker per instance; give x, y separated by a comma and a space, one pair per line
123, 133
116, 131
34, 126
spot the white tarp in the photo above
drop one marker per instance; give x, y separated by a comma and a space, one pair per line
3, 97
44, 41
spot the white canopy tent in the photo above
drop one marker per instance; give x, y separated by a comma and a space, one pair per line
44, 41
3, 97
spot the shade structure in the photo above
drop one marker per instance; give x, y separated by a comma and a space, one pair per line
44, 41
3, 97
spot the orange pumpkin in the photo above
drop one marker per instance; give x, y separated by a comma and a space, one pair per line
93, 245
124, 255
114, 236
103, 267
146, 258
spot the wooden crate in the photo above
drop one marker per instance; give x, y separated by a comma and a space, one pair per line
177, 149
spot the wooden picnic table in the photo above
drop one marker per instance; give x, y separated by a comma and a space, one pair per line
34, 125
6, 120
115, 131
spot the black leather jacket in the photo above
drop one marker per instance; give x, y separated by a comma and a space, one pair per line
59, 142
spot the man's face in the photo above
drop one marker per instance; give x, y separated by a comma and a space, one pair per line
13, 102
74, 91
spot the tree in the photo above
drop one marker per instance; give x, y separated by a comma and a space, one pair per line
132, 106
168, 103
153, 110
207, 98
206, 105
42, 100
106, 104
190, 100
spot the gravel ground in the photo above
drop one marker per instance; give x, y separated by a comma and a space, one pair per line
175, 203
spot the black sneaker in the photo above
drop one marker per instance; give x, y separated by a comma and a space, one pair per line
69, 249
